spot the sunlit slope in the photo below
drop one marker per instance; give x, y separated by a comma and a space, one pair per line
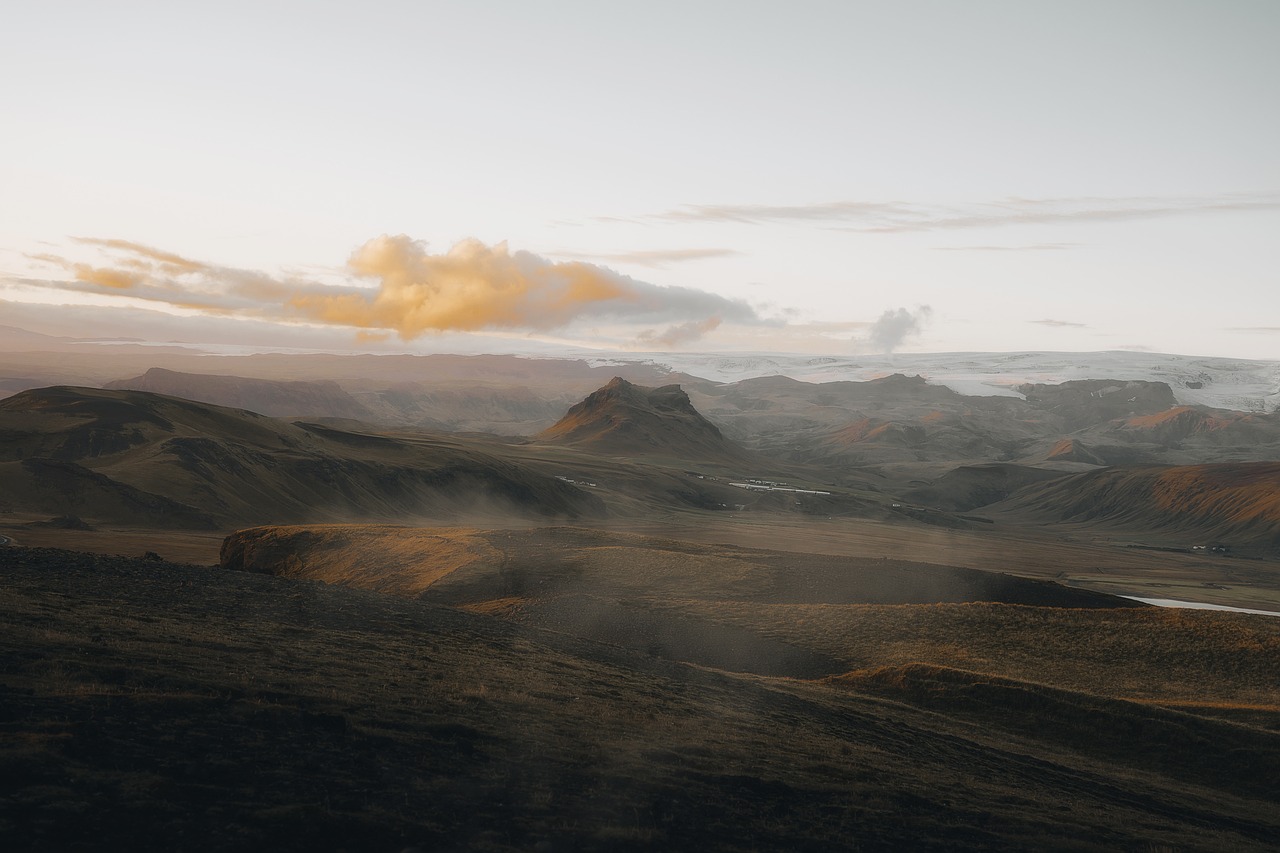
801, 615
467, 566
1221, 664
662, 596
1233, 503
78, 451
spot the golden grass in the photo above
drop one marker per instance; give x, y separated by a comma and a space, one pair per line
1181, 657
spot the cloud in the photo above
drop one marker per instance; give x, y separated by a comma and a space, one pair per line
152, 275
756, 213
1258, 329
168, 260
677, 335
1036, 247
1065, 210
894, 326
902, 216
1060, 324
474, 286
115, 279
394, 285
653, 257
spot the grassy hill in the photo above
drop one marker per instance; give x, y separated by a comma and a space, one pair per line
148, 459
239, 711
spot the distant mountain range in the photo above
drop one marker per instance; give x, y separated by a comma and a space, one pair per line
268, 397
1225, 383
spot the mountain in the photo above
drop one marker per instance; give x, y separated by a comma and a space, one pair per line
890, 419
138, 457
13, 339
1224, 383
622, 419
1086, 402
970, 486
1201, 425
1072, 450
1231, 504
320, 398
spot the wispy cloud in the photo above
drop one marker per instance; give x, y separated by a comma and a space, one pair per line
1059, 324
142, 272
168, 261
394, 284
881, 217
756, 213
1036, 247
678, 334
651, 257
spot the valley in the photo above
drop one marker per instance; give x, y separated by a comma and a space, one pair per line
681, 613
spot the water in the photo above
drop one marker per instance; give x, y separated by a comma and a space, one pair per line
1198, 605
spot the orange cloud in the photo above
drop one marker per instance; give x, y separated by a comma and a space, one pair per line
471, 287
174, 262
474, 286
106, 277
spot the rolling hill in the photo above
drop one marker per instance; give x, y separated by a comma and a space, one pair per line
608, 586
229, 711
148, 459
1236, 504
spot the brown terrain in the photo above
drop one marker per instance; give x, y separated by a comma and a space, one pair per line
132, 457
1227, 502
626, 420
634, 613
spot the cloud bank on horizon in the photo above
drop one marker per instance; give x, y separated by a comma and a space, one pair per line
471, 287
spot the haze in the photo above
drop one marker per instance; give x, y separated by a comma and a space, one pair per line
824, 177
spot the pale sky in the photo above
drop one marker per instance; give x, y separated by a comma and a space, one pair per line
801, 176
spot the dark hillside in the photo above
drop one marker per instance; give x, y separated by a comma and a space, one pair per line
147, 459
174, 707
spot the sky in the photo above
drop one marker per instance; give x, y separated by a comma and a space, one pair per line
827, 177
